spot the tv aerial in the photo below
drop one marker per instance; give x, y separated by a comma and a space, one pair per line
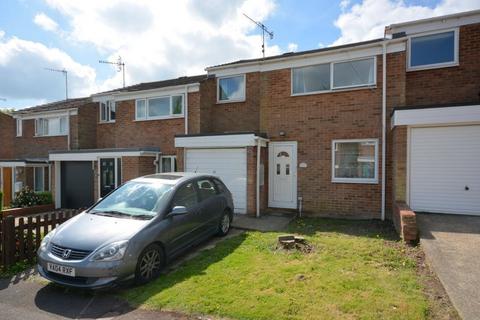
65, 73
120, 66
264, 30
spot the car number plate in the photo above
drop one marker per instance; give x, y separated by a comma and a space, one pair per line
67, 271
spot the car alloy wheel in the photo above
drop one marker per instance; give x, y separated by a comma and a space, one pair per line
224, 226
150, 264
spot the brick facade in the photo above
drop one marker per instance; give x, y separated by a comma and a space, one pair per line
7, 132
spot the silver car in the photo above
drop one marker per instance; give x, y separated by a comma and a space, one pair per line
135, 230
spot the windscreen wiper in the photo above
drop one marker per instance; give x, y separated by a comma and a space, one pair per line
112, 213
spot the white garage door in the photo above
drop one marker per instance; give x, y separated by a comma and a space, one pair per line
228, 164
445, 169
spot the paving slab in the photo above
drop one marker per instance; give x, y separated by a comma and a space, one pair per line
452, 246
265, 223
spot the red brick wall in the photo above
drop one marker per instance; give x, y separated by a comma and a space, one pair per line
450, 85
194, 112
134, 167
314, 121
233, 116
7, 133
87, 126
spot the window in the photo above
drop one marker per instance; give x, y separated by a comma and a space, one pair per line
354, 161
433, 50
336, 75
311, 79
231, 88
354, 73
159, 108
39, 179
186, 196
206, 189
107, 111
19, 127
168, 164
57, 126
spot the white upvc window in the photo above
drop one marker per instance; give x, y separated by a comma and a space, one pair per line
39, 179
54, 126
231, 88
160, 107
433, 50
355, 161
19, 127
339, 75
107, 111
168, 164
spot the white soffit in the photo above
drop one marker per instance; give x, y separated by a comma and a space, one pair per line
151, 93
219, 141
47, 114
93, 156
435, 116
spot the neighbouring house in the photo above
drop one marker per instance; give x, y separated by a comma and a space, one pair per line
357, 130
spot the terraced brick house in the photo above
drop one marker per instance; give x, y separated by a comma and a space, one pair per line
346, 131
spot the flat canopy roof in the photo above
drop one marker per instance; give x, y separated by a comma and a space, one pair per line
94, 154
22, 162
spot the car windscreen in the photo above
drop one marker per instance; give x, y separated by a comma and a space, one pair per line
135, 199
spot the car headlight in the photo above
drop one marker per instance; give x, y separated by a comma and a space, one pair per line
111, 252
46, 240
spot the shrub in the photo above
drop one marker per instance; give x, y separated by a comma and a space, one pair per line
45, 197
25, 198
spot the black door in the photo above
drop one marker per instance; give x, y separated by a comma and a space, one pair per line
77, 184
107, 176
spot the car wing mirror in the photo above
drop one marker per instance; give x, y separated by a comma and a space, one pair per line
178, 211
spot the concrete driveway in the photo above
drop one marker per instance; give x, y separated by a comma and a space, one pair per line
452, 246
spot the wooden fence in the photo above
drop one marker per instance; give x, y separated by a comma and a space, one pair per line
20, 237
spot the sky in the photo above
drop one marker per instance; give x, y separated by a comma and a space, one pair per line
167, 39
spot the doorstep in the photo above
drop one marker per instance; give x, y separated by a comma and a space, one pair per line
265, 223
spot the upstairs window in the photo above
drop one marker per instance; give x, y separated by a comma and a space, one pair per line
57, 126
231, 89
328, 77
433, 50
19, 127
354, 73
311, 79
107, 111
159, 108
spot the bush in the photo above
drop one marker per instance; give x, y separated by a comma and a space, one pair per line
45, 197
28, 198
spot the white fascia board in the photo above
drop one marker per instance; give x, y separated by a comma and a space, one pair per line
365, 51
93, 156
218, 141
47, 114
13, 164
143, 94
435, 23
436, 116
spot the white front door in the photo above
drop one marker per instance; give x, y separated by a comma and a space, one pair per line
283, 175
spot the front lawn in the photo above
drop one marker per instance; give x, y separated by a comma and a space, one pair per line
358, 270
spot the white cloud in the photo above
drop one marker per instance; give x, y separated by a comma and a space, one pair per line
2, 34
344, 4
292, 47
321, 45
23, 63
159, 39
368, 19
45, 22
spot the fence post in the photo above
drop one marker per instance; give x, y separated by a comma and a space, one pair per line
8, 241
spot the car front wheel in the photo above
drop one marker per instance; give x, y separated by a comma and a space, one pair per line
149, 264
224, 225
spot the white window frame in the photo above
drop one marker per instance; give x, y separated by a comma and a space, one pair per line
434, 65
35, 179
373, 180
108, 106
341, 88
242, 99
172, 159
19, 128
50, 134
171, 116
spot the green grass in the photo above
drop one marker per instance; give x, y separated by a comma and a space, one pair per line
357, 271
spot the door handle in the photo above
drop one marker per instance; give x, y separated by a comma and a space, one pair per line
467, 188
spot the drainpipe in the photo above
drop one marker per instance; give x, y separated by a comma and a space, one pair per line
156, 162
384, 124
68, 130
258, 176
185, 111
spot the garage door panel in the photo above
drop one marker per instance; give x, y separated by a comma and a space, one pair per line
76, 184
445, 169
228, 164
